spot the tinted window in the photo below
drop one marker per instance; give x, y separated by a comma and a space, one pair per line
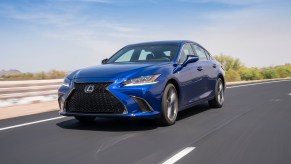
126, 57
145, 53
200, 53
186, 50
210, 57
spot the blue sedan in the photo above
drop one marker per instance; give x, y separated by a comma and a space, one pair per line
152, 80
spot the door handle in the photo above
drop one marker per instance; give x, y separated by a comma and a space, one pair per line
200, 68
214, 65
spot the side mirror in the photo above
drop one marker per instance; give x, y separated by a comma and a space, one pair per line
190, 59
104, 61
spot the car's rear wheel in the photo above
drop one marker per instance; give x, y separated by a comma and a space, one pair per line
170, 105
218, 100
84, 119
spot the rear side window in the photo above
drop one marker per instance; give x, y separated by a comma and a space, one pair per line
209, 56
143, 55
200, 53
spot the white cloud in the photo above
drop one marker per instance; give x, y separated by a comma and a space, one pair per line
67, 23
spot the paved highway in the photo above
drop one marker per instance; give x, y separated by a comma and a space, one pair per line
253, 127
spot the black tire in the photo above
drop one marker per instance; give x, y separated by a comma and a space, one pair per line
85, 119
218, 100
170, 106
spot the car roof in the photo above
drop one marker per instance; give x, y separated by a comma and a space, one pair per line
164, 42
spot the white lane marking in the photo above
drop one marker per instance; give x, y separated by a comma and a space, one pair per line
237, 86
30, 123
289, 94
179, 155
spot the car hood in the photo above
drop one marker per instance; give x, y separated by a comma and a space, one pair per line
113, 70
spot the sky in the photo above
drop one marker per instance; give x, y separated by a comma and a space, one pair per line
41, 35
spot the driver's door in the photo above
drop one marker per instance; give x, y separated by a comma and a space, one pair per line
190, 78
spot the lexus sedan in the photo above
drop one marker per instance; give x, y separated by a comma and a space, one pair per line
153, 80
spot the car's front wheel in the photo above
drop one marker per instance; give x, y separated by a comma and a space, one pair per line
170, 105
84, 119
218, 100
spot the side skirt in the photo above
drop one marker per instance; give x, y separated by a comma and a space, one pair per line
195, 103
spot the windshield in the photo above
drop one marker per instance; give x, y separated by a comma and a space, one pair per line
145, 53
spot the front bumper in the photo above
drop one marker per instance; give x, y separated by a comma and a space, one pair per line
147, 115
129, 96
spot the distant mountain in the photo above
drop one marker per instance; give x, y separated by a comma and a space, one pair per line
9, 72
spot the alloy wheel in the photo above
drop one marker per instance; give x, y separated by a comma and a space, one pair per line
172, 104
220, 93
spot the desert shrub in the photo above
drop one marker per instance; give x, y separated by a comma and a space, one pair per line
250, 73
269, 73
282, 72
232, 75
54, 74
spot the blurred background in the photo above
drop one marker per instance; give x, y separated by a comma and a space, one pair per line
46, 39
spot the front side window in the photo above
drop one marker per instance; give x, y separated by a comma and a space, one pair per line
200, 53
186, 50
145, 53
126, 57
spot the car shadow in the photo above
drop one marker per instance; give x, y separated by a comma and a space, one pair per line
192, 111
120, 124
109, 124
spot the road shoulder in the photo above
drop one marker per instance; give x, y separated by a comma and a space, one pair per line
28, 109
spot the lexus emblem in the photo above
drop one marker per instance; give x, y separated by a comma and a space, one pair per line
89, 88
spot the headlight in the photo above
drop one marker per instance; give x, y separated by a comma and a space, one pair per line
143, 80
67, 82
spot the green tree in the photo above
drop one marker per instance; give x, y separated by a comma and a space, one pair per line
228, 62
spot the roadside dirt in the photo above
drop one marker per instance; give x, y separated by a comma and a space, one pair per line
28, 109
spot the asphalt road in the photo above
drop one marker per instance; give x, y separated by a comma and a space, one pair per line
253, 127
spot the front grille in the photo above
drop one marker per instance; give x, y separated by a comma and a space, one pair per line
99, 101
